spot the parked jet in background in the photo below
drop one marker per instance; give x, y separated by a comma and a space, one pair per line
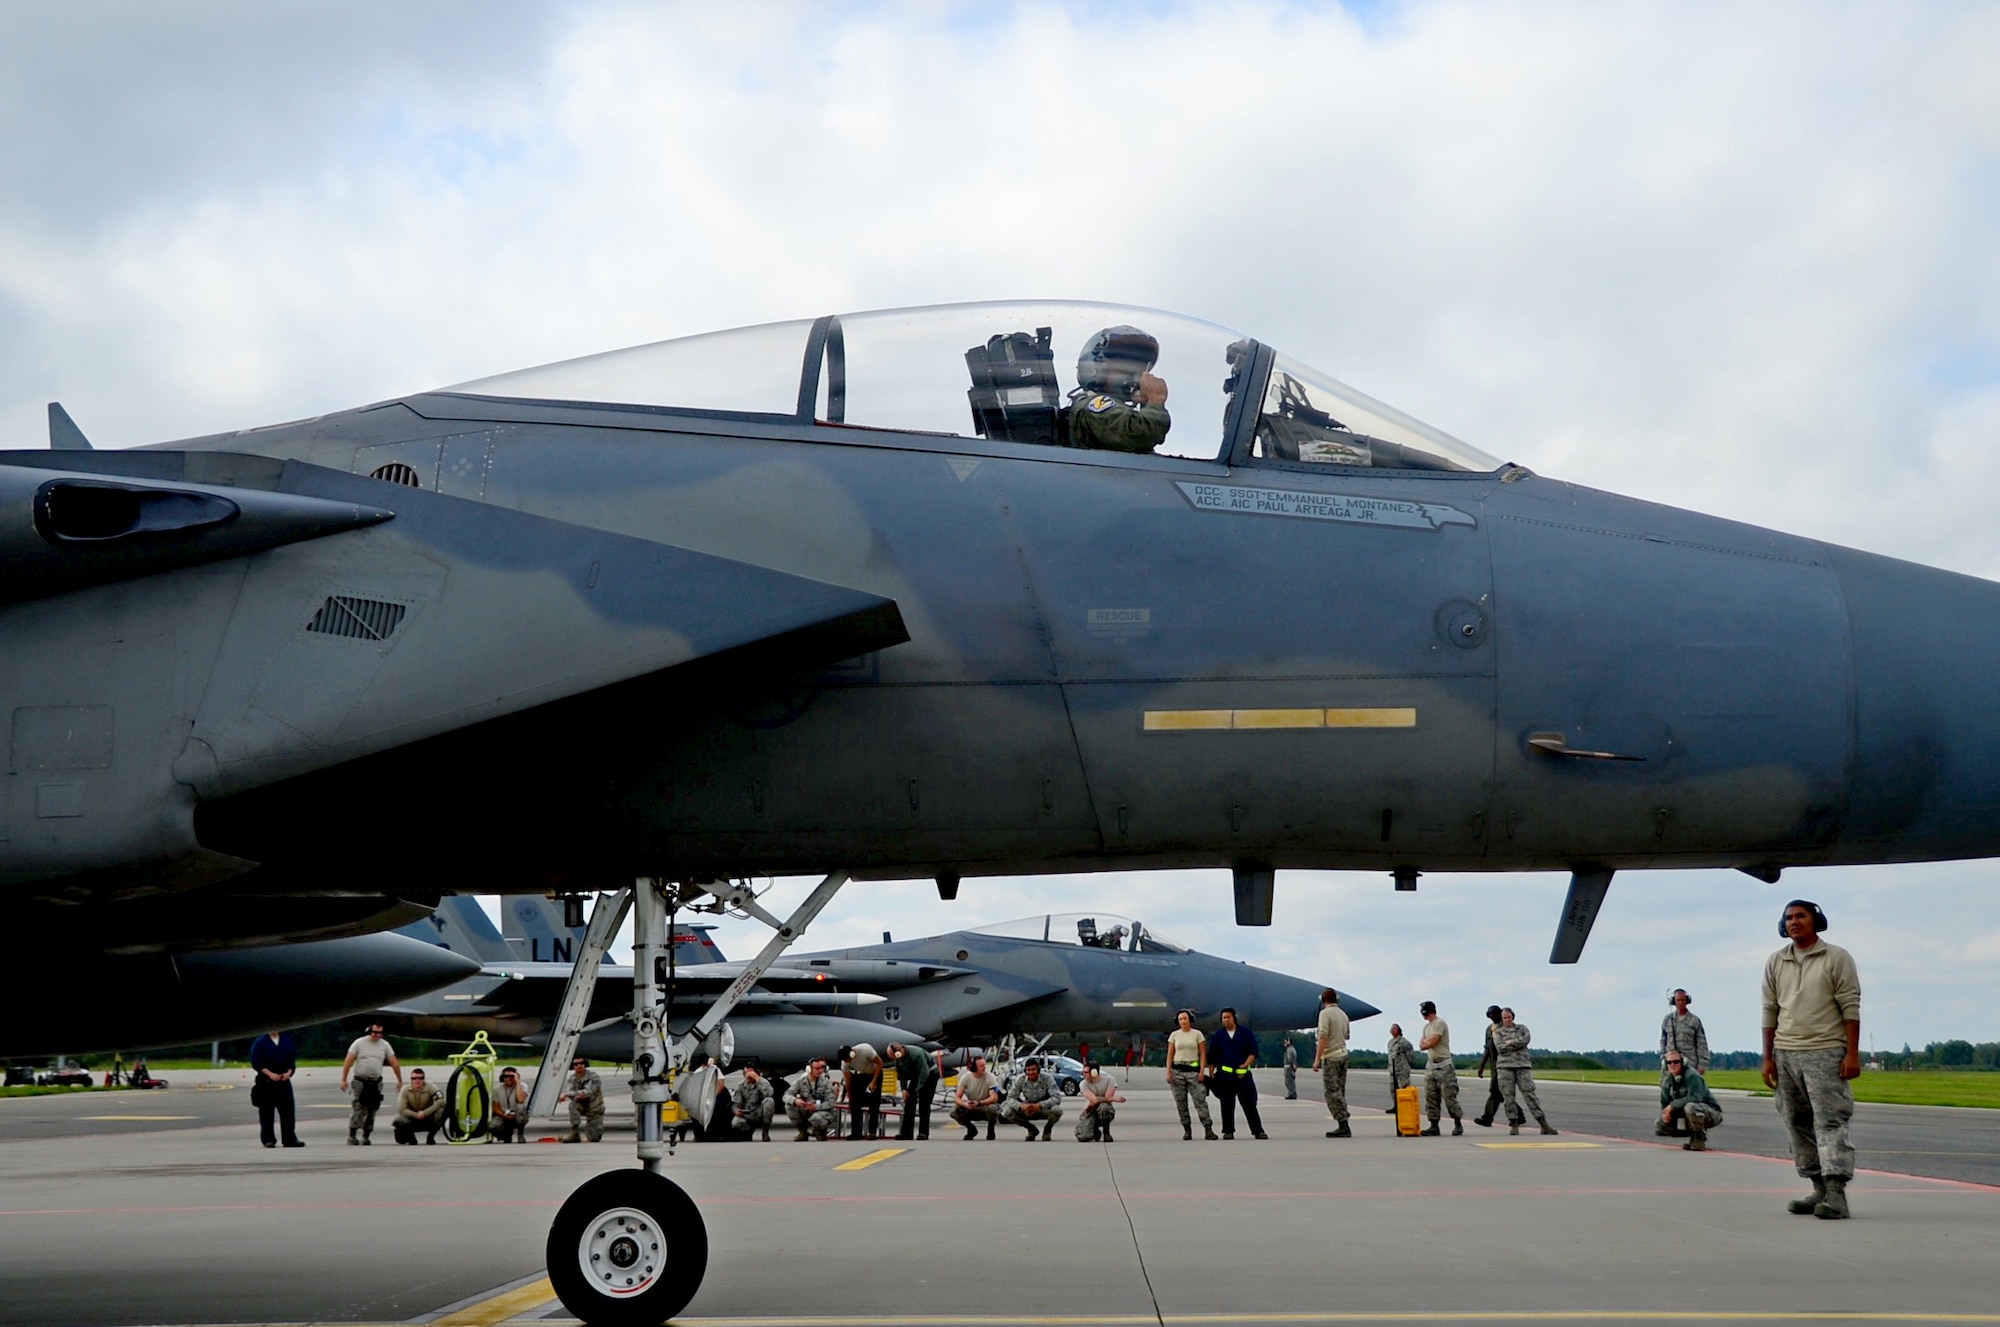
1076, 977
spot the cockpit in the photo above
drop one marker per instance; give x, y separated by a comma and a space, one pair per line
1096, 930
1074, 375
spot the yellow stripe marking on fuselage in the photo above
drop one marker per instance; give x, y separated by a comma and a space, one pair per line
1271, 720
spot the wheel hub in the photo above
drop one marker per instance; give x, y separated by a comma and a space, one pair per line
623, 1252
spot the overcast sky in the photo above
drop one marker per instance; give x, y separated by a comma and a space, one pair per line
1739, 258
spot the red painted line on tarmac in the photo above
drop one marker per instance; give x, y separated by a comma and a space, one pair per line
272, 1207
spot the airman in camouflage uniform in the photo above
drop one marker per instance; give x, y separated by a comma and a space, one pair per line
1118, 405
752, 1104
1812, 1051
1684, 1094
1440, 1075
1033, 1101
1514, 1071
1400, 1051
585, 1094
810, 1105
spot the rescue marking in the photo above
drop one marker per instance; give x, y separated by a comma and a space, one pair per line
873, 1158
1189, 721
501, 1307
1242, 500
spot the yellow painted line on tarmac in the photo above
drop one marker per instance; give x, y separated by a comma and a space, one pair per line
507, 1304
1540, 1147
873, 1158
139, 1117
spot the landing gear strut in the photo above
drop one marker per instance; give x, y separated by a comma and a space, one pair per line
629, 1248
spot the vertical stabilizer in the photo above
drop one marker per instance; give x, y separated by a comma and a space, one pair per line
535, 934
462, 926
64, 435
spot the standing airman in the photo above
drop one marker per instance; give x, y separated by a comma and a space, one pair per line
1440, 1074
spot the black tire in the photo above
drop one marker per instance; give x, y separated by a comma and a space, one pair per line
589, 1234
454, 1129
1070, 1087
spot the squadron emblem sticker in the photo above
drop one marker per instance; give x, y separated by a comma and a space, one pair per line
1240, 500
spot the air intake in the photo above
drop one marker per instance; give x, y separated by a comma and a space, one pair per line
397, 473
357, 619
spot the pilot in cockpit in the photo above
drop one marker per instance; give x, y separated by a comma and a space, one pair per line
1119, 405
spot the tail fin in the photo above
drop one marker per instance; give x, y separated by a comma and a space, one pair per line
535, 934
64, 435
462, 926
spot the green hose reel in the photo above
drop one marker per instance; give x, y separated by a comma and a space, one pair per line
469, 1092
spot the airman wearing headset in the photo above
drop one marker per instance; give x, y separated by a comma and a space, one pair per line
1682, 1031
1812, 1051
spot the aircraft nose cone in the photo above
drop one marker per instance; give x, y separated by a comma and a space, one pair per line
1926, 729
1290, 1002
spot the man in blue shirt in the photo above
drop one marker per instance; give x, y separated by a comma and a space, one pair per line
274, 1058
1232, 1054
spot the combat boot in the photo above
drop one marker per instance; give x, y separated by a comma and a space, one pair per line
1105, 1133
353, 1138
1208, 1133
1343, 1131
989, 1129
1457, 1126
1048, 1131
767, 1133
971, 1133
1697, 1141
1663, 1130
1431, 1132
1807, 1206
1833, 1207
1511, 1128
1548, 1128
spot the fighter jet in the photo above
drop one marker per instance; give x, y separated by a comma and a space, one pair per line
1080, 977
902, 593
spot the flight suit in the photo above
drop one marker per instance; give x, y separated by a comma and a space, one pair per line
586, 1107
418, 1110
1101, 421
1291, 1072
752, 1107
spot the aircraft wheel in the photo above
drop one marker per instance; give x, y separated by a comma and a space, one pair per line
628, 1249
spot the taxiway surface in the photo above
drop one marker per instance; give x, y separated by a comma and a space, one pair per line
125, 1221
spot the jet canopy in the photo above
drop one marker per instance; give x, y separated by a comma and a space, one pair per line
1034, 373
1095, 930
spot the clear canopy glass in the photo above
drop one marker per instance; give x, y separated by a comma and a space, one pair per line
752, 370
1055, 373
1099, 930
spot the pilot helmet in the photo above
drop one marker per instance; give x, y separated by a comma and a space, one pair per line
1114, 360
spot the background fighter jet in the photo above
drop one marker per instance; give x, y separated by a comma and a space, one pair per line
1077, 977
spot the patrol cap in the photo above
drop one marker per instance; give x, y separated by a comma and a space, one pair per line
1114, 358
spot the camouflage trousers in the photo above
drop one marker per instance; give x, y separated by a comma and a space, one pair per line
1699, 1115
586, 1119
1186, 1083
1815, 1103
1333, 1081
1093, 1118
816, 1122
367, 1093
1522, 1081
1441, 1084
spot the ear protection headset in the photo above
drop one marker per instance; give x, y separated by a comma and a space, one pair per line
1819, 918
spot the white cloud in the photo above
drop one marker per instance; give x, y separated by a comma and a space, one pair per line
1727, 258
